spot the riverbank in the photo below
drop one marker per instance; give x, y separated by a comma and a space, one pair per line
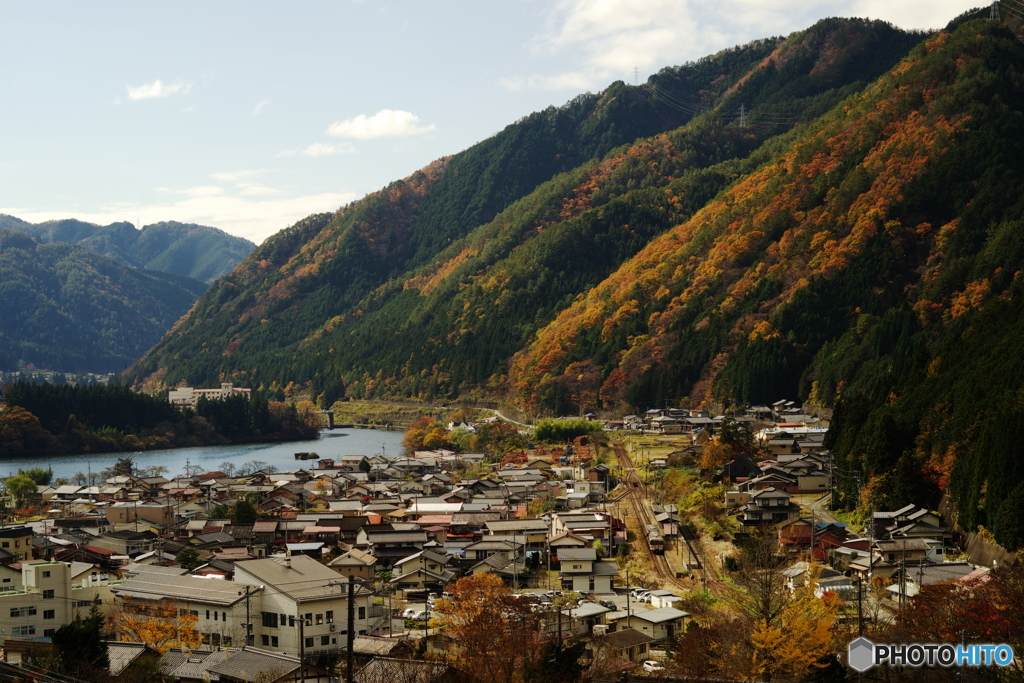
330, 444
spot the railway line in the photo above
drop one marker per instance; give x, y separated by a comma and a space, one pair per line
636, 494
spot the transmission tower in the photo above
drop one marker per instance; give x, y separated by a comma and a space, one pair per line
994, 11
636, 76
743, 116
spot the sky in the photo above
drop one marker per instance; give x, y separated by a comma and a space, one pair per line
249, 116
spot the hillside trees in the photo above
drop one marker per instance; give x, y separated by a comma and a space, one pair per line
426, 288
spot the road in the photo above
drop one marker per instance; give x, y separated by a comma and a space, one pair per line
817, 504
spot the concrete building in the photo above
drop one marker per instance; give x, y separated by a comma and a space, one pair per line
45, 599
304, 605
187, 396
222, 607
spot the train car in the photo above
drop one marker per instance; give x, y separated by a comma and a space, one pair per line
655, 540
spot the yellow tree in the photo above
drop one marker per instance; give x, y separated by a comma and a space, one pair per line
159, 624
494, 633
799, 642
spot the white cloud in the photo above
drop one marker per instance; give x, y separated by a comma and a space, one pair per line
251, 218
158, 89
319, 149
604, 40
574, 80
387, 123
911, 14
259, 107
243, 176
202, 191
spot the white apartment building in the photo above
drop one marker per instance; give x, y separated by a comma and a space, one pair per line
48, 595
188, 396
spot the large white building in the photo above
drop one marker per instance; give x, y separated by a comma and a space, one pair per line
187, 396
44, 596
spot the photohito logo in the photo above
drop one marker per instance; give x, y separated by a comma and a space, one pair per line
862, 654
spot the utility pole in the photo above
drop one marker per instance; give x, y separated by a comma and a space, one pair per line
350, 610
350, 637
248, 616
860, 612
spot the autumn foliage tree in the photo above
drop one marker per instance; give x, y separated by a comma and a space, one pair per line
495, 634
159, 624
759, 629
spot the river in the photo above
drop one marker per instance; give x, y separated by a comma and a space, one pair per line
331, 444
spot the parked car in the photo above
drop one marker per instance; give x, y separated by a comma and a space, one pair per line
650, 666
410, 612
422, 615
610, 604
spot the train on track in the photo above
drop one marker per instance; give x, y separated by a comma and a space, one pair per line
655, 540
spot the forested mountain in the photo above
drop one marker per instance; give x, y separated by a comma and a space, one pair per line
194, 251
853, 238
65, 308
370, 293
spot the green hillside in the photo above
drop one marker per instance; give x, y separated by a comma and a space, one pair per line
65, 308
193, 251
399, 289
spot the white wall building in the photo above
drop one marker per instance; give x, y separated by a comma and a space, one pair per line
46, 598
187, 396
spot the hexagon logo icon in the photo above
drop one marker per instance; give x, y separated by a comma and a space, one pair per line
861, 654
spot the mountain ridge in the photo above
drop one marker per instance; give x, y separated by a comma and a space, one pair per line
186, 249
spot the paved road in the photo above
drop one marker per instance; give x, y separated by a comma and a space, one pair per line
818, 505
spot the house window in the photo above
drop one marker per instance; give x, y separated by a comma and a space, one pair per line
266, 640
577, 566
309, 619
273, 641
284, 619
215, 615
7, 580
48, 594
330, 617
23, 611
325, 640
362, 613
319, 619
48, 632
49, 614
223, 616
207, 614
291, 621
46, 574
309, 642
7, 544
269, 620
23, 631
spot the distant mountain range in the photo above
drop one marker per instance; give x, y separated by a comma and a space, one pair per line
194, 251
65, 308
833, 216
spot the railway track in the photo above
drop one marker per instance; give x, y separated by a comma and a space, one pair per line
636, 493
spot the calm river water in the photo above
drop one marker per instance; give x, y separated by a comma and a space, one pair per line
331, 444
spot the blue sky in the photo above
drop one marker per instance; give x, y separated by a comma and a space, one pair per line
248, 116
